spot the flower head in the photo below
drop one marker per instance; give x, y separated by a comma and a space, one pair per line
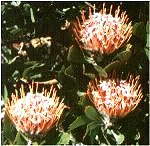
102, 32
34, 113
115, 98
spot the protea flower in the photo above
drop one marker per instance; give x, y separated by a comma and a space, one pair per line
113, 97
34, 113
102, 32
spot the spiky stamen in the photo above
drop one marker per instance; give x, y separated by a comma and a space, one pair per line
115, 98
37, 113
102, 32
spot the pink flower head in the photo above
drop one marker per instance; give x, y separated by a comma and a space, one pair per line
115, 98
34, 113
102, 32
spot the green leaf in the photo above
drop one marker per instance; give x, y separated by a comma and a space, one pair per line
123, 56
75, 55
137, 136
69, 71
13, 60
147, 52
101, 71
32, 15
112, 66
9, 130
5, 94
80, 121
118, 137
90, 75
18, 140
14, 30
30, 63
91, 113
15, 75
90, 127
32, 72
15, 3
139, 30
80, 94
147, 35
36, 76
64, 138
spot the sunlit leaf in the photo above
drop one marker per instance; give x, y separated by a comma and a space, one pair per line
16, 3
64, 138
16, 75
90, 127
81, 93
5, 93
118, 137
137, 136
32, 15
147, 52
91, 113
80, 121
18, 139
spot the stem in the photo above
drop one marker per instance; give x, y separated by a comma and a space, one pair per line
29, 142
105, 136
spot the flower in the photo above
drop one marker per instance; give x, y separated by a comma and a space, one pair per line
34, 113
103, 32
113, 97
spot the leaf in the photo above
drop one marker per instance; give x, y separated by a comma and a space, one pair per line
89, 71
147, 52
80, 94
64, 138
32, 72
91, 126
18, 140
5, 94
80, 121
112, 66
101, 71
91, 113
123, 56
75, 55
15, 3
15, 75
8, 129
139, 30
90, 75
147, 35
69, 71
32, 15
30, 63
118, 137
14, 29
36, 76
13, 60
90, 60
137, 136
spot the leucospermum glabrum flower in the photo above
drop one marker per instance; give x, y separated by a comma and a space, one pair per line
102, 32
114, 97
34, 113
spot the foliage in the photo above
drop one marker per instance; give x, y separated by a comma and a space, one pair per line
38, 44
